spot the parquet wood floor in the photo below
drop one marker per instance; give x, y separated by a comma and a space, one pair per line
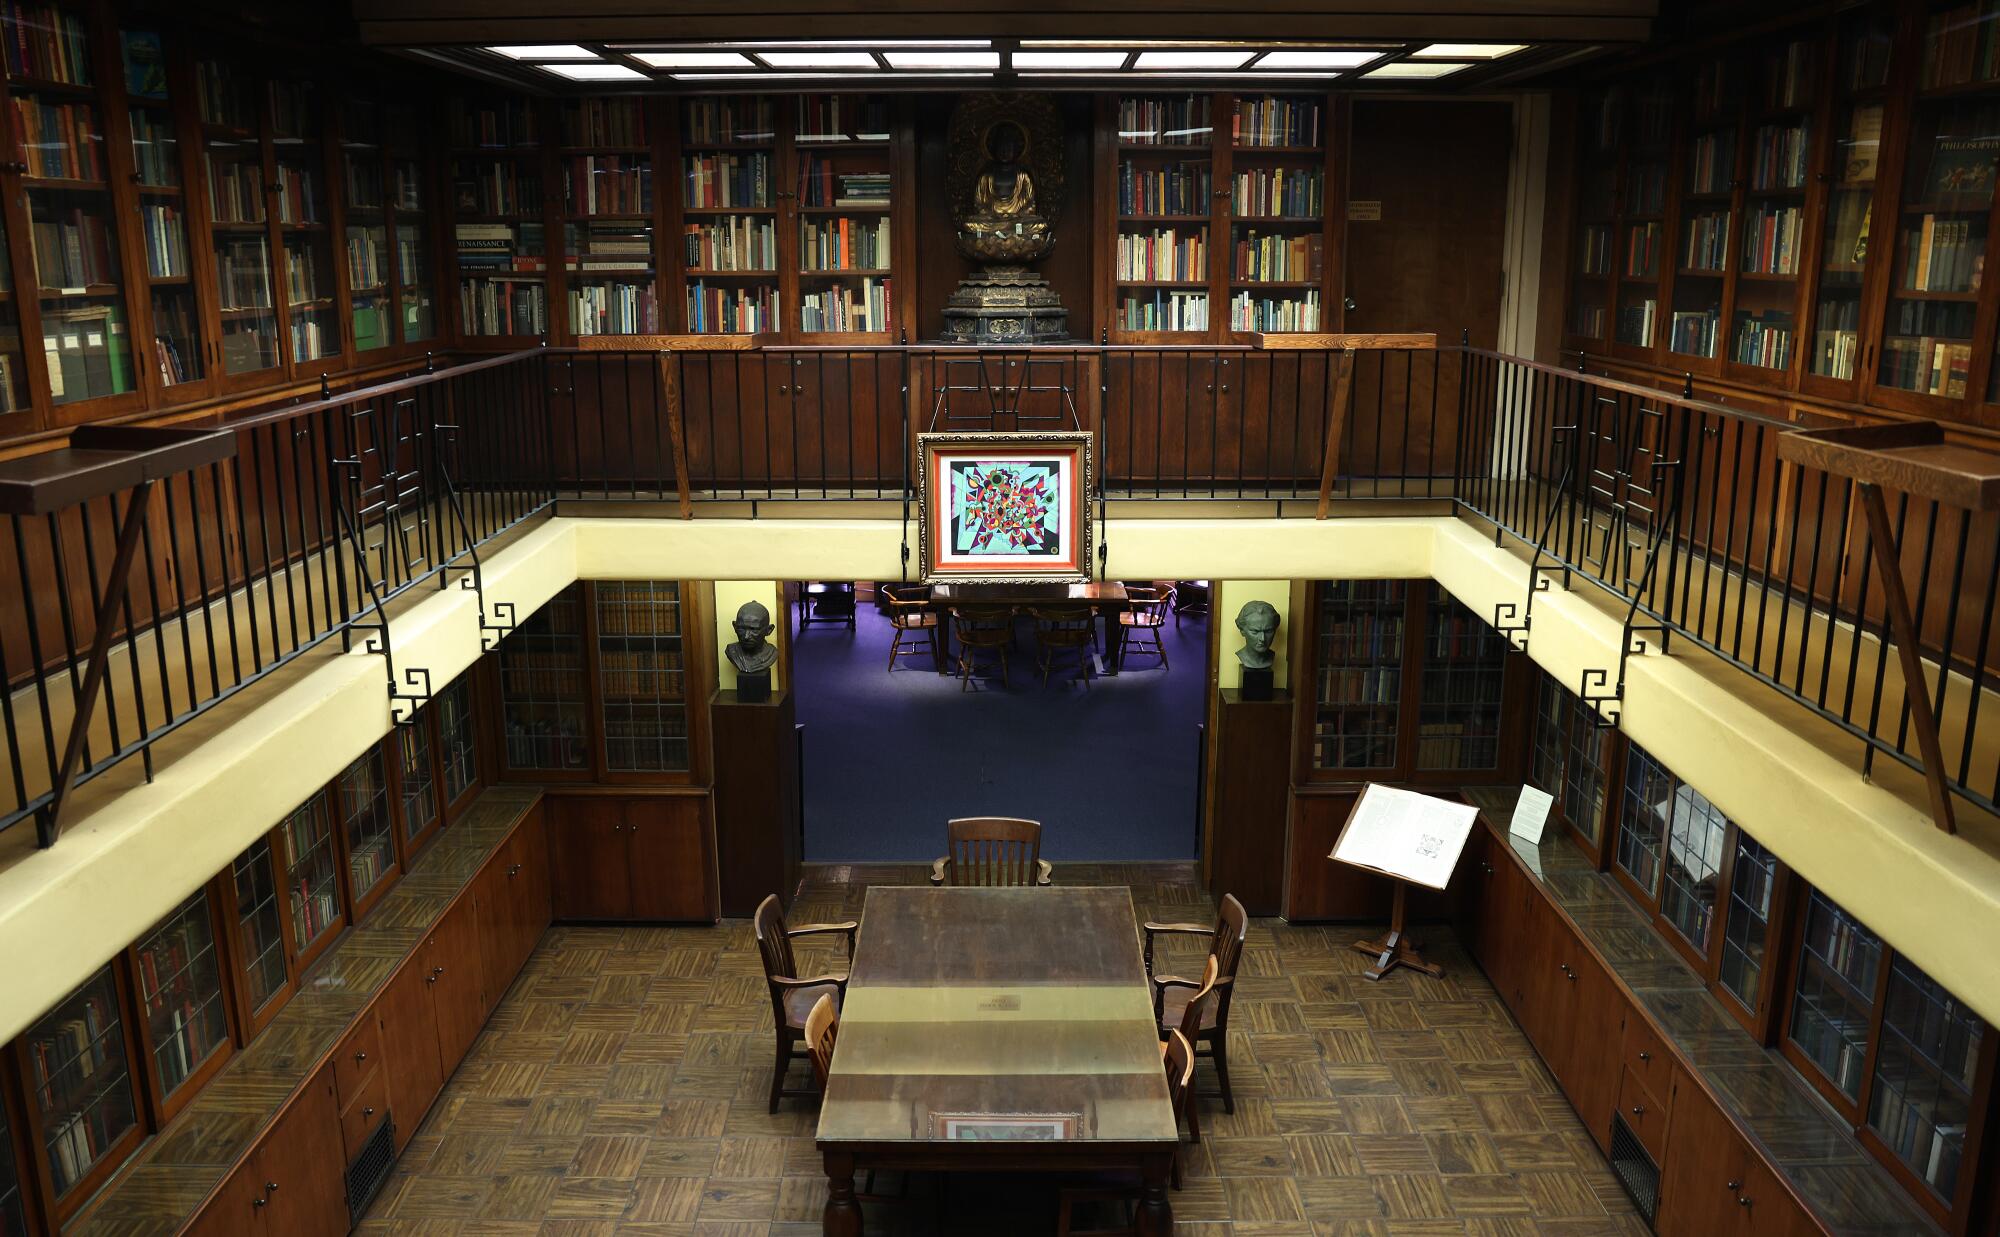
620, 1088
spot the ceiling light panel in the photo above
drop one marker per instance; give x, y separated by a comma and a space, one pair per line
1468, 51
543, 51
1414, 69
595, 72
1188, 58
803, 44
942, 59
695, 60
1318, 58
818, 60
799, 77
1072, 60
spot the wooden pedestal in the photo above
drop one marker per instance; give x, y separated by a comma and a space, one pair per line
1253, 776
757, 808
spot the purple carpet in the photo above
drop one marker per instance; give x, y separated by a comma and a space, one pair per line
1109, 770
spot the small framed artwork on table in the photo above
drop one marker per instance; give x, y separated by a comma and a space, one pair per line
1004, 508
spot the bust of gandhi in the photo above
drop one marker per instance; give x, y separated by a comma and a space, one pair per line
1258, 621
752, 650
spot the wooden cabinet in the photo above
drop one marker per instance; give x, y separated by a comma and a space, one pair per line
512, 897
1245, 830
757, 806
1573, 1012
632, 857
1714, 1184
453, 970
292, 1184
409, 1046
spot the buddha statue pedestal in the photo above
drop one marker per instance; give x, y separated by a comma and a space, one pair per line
1002, 226
1004, 304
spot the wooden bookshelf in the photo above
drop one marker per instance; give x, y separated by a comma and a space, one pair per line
500, 196
1358, 674
177, 355
1705, 211
610, 212
1461, 690
309, 870
844, 156
1167, 214
734, 242
384, 181
1762, 333
83, 1103
360, 802
544, 692
1642, 237
251, 345
1278, 250
641, 674
178, 976
257, 943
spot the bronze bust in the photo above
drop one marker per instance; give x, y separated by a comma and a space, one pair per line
752, 652
1258, 621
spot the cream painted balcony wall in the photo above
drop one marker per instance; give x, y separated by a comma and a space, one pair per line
134, 851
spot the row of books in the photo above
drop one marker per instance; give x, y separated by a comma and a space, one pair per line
173, 365
235, 191
1715, 88
1788, 75
166, 240
367, 263
1175, 189
1275, 258
546, 744
866, 308
1943, 255
731, 243
1472, 684
71, 1045
1778, 157
1642, 250
604, 122
738, 119
506, 124
314, 910
610, 246
1163, 254
371, 321
1275, 121
1692, 332
243, 273
1595, 255
1705, 242
1164, 310
652, 610
1441, 747
60, 141
495, 187
820, 185
1926, 364
1587, 321
153, 148
613, 309
1711, 162
843, 244
1278, 191
1773, 240
221, 96
503, 306
1454, 634
1362, 638
74, 249
1165, 122
526, 674
500, 247
46, 40
646, 755
1635, 322
610, 184
838, 118
291, 108
1843, 944
184, 1036
1912, 1129
1962, 45
298, 194
1265, 313
369, 863
728, 310
1647, 192
641, 676
1763, 339
87, 352
726, 179
363, 179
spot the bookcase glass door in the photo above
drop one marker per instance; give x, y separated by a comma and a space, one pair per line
1465, 665
13, 1207
641, 677
361, 797
312, 311
260, 936
1671, 841
1920, 1102
233, 165
312, 882
498, 205
1784, 90
1950, 149
416, 781
13, 367
73, 221
1746, 924
1596, 208
365, 211
1708, 176
409, 210
1861, 74
1833, 1003
543, 698
80, 1081
729, 146
1360, 673
608, 210
1166, 175
1642, 214
458, 755
1277, 201
180, 993
844, 160
176, 354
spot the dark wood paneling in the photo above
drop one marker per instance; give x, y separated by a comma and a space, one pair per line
1246, 837
1317, 887
452, 960
757, 808
587, 856
302, 1165
409, 1046
672, 861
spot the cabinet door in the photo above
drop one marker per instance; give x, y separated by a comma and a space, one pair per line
237, 1210
409, 1046
1767, 1209
1704, 1170
529, 877
493, 909
669, 864
1590, 1066
452, 966
589, 859
1500, 932
1543, 985
303, 1165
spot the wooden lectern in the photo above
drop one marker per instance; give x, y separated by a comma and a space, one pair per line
1412, 839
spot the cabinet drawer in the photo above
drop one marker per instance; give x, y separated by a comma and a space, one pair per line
1647, 1056
1643, 1114
358, 1056
359, 1116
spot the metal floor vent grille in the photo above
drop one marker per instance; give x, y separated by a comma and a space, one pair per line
371, 1168
1635, 1169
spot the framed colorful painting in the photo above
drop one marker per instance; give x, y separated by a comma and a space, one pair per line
1004, 507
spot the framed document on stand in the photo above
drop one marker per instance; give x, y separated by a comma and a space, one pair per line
1412, 839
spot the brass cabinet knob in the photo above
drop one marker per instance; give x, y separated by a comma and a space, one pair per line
1638, 1110
361, 1056
1645, 1056
367, 1112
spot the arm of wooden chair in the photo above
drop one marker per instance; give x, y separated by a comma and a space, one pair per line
838, 981
846, 928
1048, 872
937, 870
1163, 982
1152, 930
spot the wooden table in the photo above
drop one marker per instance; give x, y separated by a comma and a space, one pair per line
997, 1030
1104, 597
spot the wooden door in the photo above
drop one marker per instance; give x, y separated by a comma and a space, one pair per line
1590, 1066
670, 858
588, 858
1704, 1170
530, 881
492, 907
302, 1163
1499, 935
409, 1046
453, 967
1544, 991
1767, 1209
236, 1209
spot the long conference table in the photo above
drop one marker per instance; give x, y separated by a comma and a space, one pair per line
1106, 599
997, 1030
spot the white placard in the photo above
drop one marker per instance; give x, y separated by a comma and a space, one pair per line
1531, 814
1401, 833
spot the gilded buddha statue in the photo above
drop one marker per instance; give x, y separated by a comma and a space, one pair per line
1006, 188
1004, 225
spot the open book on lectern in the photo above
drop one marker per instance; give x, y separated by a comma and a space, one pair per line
1406, 835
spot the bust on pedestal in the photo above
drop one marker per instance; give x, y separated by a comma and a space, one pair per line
1258, 622
1006, 186
752, 652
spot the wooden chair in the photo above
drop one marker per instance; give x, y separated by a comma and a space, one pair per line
1225, 950
822, 1027
1190, 597
792, 997
1179, 1057
1144, 621
913, 624
982, 629
992, 850
1064, 630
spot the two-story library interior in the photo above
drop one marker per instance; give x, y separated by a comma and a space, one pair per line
1336, 620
